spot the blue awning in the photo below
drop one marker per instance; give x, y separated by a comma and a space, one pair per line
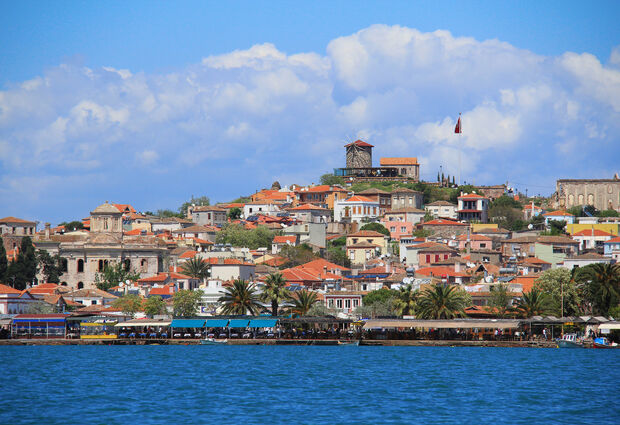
217, 323
238, 323
188, 323
40, 320
263, 323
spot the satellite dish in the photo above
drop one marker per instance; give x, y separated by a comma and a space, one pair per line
530, 226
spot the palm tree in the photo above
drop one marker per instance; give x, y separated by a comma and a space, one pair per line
406, 300
197, 268
604, 285
443, 302
303, 302
533, 303
275, 291
240, 298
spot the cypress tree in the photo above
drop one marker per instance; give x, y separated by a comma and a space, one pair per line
4, 263
25, 268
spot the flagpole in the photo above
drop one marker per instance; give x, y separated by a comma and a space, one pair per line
460, 132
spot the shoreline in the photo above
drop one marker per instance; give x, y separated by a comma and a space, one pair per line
285, 342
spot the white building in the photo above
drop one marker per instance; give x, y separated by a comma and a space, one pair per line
473, 207
13, 301
592, 239
260, 207
441, 209
356, 208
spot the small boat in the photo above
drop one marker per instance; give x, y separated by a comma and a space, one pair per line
213, 341
569, 341
356, 342
602, 342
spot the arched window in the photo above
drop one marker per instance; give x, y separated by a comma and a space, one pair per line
143, 265
127, 264
80, 266
80, 285
100, 268
63, 284
64, 265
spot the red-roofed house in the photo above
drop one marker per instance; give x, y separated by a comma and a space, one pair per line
592, 239
323, 195
445, 228
356, 208
473, 207
13, 301
231, 268
281, 241
476, 242
559, 216
444, 272
407, 167
310, 213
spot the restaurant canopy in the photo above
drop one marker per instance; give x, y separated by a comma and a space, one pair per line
441, 324
142, 322
217, 323
263, 323
188, 323
238, 323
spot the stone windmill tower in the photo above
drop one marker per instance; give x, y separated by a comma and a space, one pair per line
359, 154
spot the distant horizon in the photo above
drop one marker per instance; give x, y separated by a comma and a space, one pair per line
149, 104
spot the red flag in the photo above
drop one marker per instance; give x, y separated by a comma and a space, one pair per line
457, 129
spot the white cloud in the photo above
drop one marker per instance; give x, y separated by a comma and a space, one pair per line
250, 115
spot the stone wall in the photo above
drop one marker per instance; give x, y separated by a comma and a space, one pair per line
603, 194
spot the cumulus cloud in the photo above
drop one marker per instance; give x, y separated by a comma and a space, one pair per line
237, 121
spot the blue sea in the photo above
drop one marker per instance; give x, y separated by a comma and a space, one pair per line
307, 385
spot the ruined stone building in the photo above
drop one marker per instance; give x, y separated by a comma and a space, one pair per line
603, 194
84, 254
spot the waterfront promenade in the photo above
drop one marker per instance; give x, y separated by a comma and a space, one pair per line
262, 341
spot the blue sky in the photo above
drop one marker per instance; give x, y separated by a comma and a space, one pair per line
150, 102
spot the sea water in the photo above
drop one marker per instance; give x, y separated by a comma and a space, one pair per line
307, 385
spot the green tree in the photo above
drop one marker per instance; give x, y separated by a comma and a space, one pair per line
560, 284
608, 213
154, 305
4, 263
240, 298
406, 301
128, 304
506, 201
185, 302
49, 266
196, 267
165, 213
500, 299
238, 236
533, 303
603, 286
556, 227
235, 213
443, 302
303, 301
331, 180
23, 270
338, 255
275, 291
113, 274
378, 296
384, 308
202, 201
72, 225
422, 233
376, 227
297, 255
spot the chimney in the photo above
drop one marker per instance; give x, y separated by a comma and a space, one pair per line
47, 230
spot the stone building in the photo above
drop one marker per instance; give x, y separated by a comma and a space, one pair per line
13, 229
407, 167
603, 194
84, 254
359, 154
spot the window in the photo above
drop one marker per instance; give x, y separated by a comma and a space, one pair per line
80, 266
339, 303
436, 257
347, 304
64, 265
93, 302
356, 303
143, 265
80, 285
127, 264
403, 229
483, 245
392, 228
330, 303
428, 258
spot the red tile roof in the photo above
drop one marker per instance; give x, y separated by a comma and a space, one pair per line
5, 289
438, 271
366, 234
359, 143
358, 198
306, 207
188, 254
284, 239
15, 220
558, 213
614, 240
472, 196
592, 232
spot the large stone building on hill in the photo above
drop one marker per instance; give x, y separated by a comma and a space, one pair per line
603, 194
85, 254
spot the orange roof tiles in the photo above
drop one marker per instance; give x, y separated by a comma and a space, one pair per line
558, 213
472, 196
307, 207
439, 271
15, 220
398, 161
5, 289
366, 234
284, 239
188, 254
358, 198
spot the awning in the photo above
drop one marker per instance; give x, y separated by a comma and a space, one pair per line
263, 323
609, 325
188, 323
42, 320
238, 323
443, 324
139, 323
216, 323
